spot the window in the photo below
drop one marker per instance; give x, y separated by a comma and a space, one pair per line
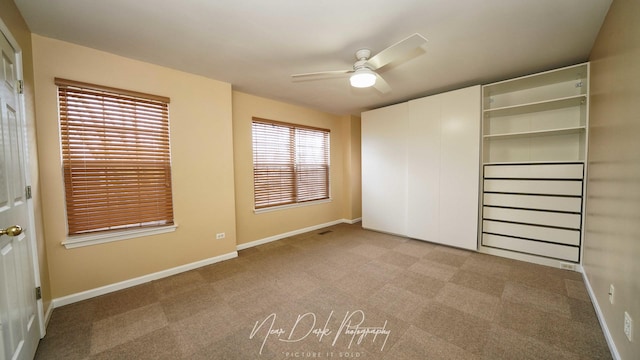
290, 163
116, 158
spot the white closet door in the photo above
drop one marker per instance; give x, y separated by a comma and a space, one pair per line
460, 167
444, 168
423, 143
384, 169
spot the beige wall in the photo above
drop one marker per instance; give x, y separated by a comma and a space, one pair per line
251, 226
202, 168
612, 239
16, 25
209, 148
352, 168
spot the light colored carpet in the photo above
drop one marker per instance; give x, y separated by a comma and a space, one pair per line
326, 296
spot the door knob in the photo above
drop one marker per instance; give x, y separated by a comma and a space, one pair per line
14, 230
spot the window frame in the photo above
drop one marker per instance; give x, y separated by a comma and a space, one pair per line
326, 133
115, 231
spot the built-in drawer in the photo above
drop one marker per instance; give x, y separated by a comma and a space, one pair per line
543, 187
562, 252
535, 171
534, 208
554, 235
539, 202
547, 218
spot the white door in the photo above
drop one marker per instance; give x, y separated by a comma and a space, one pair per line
460, 170
444, 168
19, 314
384, 169
424, 168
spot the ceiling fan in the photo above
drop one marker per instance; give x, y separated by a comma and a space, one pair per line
364, 69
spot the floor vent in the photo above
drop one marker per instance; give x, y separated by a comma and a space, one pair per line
325, 232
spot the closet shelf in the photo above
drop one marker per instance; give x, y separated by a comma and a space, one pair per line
526, 134
570, 74
541, 162
532, 107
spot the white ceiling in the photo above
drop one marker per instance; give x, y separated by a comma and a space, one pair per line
256, 44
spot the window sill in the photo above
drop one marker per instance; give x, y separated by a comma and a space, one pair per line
101, 238
289, 206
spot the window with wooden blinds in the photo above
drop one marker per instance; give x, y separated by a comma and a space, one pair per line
290, 163
116, 158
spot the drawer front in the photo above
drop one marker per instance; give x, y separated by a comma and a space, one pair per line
538, 202
536, 171
557, 251
547, 218
558, 236
543, 187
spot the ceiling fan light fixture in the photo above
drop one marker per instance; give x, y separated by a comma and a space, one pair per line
363, 78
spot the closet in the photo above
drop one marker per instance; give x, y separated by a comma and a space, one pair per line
534, 146
521, 144
420, 168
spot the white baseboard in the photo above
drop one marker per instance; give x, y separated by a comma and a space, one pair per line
540, 260
47, 314
353, 221
84, 295
294, 232
603, 322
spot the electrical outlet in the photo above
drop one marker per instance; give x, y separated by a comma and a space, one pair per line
628, 326
611, 290
219, 236
567, 266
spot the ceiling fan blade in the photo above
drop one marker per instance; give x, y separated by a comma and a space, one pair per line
397, 51
381, 85
320, 75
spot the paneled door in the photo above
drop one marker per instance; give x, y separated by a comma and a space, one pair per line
19, 314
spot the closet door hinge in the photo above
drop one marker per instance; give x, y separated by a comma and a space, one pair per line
27, 192
38, 293
20, 87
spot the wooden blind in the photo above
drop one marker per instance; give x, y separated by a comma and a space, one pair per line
290, 163
116, 158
